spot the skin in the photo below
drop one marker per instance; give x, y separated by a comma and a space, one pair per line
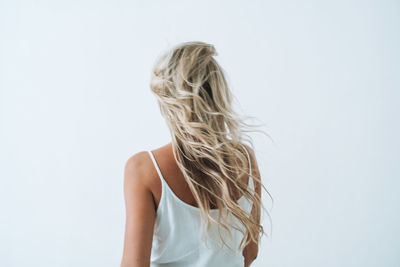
142, 191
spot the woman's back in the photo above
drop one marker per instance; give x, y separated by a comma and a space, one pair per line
178, 239
195, 189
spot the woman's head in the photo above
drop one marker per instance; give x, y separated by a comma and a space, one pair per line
190, 85
195, 100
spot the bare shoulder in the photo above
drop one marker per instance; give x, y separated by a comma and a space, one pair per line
136, 160
254, 168
252, 157
137, 168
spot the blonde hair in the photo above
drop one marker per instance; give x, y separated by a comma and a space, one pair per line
195, 100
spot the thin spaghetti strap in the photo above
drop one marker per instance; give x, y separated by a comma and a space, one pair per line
156, 166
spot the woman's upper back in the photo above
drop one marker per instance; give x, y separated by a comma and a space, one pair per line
177, 238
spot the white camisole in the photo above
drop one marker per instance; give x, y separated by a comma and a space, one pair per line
177, 238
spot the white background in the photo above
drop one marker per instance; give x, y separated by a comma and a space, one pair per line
75, 104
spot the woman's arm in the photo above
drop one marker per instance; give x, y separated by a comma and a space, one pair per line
140, 213
250, 252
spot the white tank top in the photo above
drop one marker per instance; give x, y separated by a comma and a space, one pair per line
177, 238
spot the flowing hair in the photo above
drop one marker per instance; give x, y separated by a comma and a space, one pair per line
195, 100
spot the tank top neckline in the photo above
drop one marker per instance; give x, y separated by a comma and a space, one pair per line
164, 184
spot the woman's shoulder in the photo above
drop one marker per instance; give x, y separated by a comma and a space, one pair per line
138, 166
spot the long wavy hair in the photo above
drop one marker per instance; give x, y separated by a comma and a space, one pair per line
195, 100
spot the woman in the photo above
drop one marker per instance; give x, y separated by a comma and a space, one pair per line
195, 201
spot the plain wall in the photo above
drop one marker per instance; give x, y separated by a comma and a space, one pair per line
75, 104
